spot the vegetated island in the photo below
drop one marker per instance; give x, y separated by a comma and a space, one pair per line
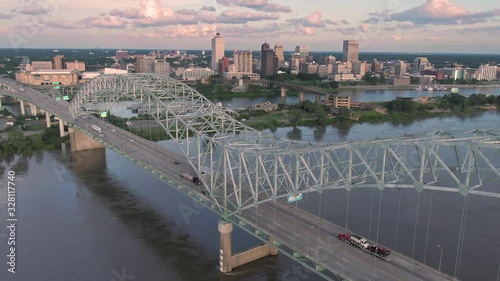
308, 113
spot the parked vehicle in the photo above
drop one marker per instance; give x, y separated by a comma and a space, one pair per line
361, 243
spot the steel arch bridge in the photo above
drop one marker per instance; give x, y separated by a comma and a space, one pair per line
241, 167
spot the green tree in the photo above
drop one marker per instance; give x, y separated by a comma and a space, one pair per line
345, 112
295, 116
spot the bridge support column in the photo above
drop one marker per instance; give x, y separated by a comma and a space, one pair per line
301, 96
47, 119
33, 109
283, 95
228, 262
318, 98
80, 141
62, 133
0, 102
283, 92
21, 103
225, 230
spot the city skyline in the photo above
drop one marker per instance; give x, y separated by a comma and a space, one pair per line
434, 26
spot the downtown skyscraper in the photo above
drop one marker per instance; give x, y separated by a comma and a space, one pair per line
351, 51
217, 51
267, 58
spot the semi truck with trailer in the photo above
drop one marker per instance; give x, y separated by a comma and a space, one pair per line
361, 243
190, 178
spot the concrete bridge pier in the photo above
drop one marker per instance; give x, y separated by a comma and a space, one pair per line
283, 92
47, 119
62, 132
228, 261
23, 111
33, 109
80, 141
318, 98
301, 96
225, 230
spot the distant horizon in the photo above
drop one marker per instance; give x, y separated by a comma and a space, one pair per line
427, 26
226, 50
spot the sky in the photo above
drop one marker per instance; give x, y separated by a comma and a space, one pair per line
434, 26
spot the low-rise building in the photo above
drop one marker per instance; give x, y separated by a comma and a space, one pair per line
197, 73
241, 75
342, 77
48, 77
399, 81
339, 101
265, 106
78, 65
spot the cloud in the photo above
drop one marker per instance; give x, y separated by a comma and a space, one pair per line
110, 22
151, 13
398, 38
307, 30
6, 16
64, 24
232, 16
3, 30
272, 29
349, 31
441, 12
33, 10
182, 31
207, 8
314, 20
260, 5
480, 29
129, 13
430, 38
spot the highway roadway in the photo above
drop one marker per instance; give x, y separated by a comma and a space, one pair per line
310, 235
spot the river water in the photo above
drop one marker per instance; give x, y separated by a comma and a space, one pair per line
356, 95
96, 216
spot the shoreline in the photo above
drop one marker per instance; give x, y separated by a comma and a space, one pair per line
413, 86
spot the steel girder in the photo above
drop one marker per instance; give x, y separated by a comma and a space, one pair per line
242, 167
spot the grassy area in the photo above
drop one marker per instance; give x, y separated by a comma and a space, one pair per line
369, 114
34, 127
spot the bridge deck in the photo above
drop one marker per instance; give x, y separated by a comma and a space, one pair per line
301, 235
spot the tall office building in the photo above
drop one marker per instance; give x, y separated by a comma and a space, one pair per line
59, 62
420, 64
217, 51
120, 55
487, 72
243, 61
303, 51
144, 64
78, 65
266, 61
223, 65
295, 61
278, 51
351, 51
161, 67
400, 68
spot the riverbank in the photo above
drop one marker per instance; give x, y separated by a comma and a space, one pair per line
413, 86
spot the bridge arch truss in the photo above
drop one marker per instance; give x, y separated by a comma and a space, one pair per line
241, 167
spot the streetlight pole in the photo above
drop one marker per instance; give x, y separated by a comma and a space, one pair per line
440, 257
